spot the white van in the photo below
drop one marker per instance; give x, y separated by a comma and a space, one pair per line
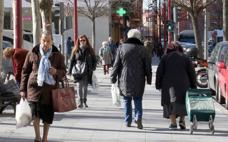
27, 38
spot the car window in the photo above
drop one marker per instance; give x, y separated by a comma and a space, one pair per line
28, 37
226, 59
5, 38
214, 54
6, 44
223, 53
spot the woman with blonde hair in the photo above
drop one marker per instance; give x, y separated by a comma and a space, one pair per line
83, 52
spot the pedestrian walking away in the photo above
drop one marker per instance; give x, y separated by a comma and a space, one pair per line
83, 57
113, 47
43, 69
175, 74
18, 56
131, 68
106, 57
69, 46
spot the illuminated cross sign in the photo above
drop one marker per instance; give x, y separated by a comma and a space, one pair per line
121, 11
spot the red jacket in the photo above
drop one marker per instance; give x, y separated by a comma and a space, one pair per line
18, 62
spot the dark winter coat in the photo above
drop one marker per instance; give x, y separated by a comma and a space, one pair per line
175, 70
30, 71
132, 66
84, 56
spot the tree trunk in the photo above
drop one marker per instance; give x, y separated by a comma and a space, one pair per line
94, 34
45, 10
198, 39
36, 21
225, 20
1, 30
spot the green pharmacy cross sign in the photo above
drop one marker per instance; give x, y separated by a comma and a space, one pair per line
121, 11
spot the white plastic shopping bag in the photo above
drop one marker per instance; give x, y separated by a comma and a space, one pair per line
115, 94
23, 114
94, 82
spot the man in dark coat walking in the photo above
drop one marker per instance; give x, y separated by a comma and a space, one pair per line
132, 66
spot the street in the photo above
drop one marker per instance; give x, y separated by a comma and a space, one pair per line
103, 122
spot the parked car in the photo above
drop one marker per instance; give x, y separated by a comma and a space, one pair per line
218, 72
27, 38
223, 80
187, 41
6, 44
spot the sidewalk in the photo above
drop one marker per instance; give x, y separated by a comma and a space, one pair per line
103, 122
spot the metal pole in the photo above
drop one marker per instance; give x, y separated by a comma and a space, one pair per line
75, 21
205, 32
148, 20
164, 25
175, 21
159, 21
17, 24
169, 19
1, 31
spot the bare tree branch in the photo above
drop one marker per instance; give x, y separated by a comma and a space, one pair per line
194, 7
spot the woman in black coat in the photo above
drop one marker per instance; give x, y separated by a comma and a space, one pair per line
175, 74
83, 53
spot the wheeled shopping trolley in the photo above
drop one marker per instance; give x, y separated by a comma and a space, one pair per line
200, 107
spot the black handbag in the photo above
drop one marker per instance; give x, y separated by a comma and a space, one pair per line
79, 70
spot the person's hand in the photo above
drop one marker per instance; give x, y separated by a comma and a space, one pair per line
23, 95
52, 71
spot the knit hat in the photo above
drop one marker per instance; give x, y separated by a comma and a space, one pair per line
134, 33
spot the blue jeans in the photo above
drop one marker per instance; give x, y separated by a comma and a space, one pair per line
128, 108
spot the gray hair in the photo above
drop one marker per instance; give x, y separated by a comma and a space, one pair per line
134, 33
104, 43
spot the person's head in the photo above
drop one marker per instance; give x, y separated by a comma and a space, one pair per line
104, 44
121, 41
178, 47
110, 39
8, 52
69, 38
82, 41
134, 33
46, 41
175, 47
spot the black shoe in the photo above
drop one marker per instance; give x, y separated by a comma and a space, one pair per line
139, 124
128, 124
80, 106
86, 105
182, 125
173, 126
